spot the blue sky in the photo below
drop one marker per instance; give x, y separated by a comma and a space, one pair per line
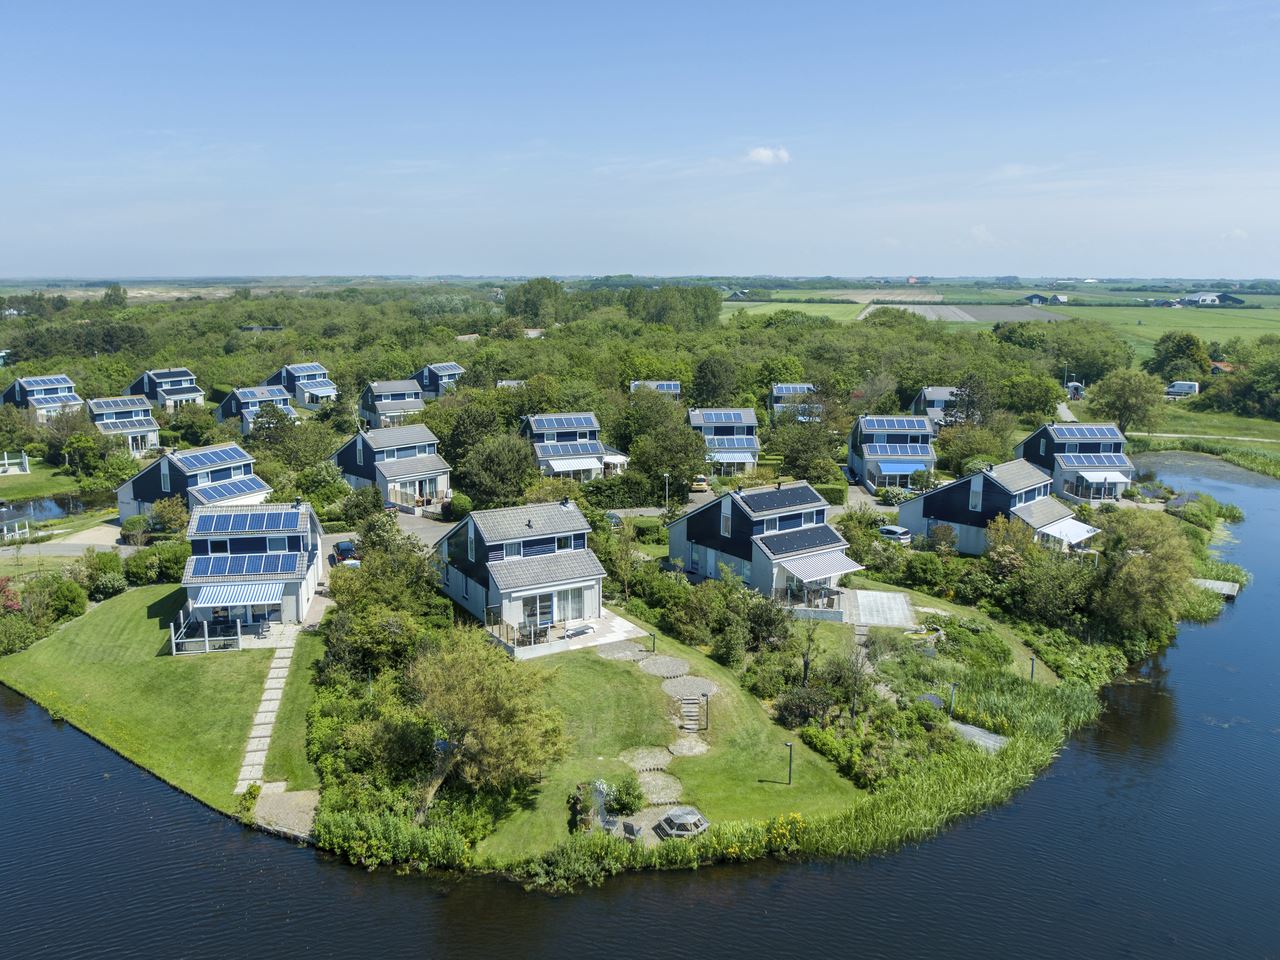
664, 138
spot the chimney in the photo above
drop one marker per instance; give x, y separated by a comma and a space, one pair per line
564, 503
778, 485
738, 489
297, 501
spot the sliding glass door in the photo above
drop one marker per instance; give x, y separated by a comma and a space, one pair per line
537, 610
569, 604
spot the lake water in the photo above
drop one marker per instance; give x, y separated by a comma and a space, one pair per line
51, 508
1153, 835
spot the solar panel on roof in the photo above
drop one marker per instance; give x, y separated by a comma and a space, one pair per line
257, 521
239, 523
57, 399
54, 380
733, 443
201, 567
898, 450
886, 424
1087, 432
204, 523
792, 388
222, 523
1094, 459
253, 564
303, 368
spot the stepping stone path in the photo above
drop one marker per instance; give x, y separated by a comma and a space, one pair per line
255, 752
642, 759
623, 650
686, 687
664, 666
660, 788
688, 745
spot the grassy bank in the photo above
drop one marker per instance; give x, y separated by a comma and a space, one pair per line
287, 756
110, 674
1242, 453
40, 482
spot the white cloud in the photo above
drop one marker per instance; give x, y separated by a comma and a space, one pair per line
769, 156
981, 235
1235, 233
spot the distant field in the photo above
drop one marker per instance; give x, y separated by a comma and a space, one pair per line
848, 312
841, 312
862, 296
1142, 326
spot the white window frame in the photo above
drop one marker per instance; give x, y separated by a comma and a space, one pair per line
359, 452
1042, 446
512, 550
471, 544
277, 544
770, 524
975, 493
164, 475
564, 542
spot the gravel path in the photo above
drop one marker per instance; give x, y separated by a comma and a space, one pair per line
660, 788
687, 686
622, 650
641, 759
664, 666
689, 745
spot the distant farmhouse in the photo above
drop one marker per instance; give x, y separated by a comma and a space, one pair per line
1209, 298
168, 389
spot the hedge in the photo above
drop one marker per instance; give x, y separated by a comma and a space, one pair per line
834, 493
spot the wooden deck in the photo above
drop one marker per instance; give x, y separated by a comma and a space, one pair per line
1224, 588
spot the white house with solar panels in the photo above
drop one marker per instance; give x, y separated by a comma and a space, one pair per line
402, 462
888, 451
668, 388
437, 379
384, 403
168, 389
307, 383
251, 565
789, 401
243, 404
202, 476
1087, 460
45, 397
568, 445
730, 436
126, 418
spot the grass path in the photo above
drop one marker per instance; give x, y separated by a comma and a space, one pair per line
110, 674
287, 757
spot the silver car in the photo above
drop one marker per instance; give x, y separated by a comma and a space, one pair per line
897, 534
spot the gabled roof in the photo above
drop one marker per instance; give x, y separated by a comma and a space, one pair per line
1017, 475
273, 394
129, 425
445, 368
1084, 431
1042, 512
395, 386
871, 423
544, 422
385, 438
938, 393
245, 519
801, 540
722, 416
529, 521
199, 459
423, 466
563, 566
232, 489
172, 373
45, 382
302, 369
763, 501
115, 404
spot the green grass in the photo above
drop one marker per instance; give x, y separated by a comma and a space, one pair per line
287, 757
79, 522
657, 551
1143, 326
1180, 418
110, 674
742, 777
1021, 654
840, 312
40, 482
31, 565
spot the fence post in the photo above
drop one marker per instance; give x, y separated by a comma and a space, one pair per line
204, 624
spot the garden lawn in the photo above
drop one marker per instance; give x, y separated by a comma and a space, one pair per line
110, 674
1021, 654
1181, 419
40, 482
287, 757
608, 706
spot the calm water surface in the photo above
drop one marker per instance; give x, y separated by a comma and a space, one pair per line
1155, 834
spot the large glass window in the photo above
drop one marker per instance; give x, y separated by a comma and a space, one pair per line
512, 549
538, 609
564, 543
569, 604
277, 544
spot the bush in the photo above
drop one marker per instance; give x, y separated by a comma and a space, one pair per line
797, 706
16, 633
894, 495
336, 526
142, 568
834, 493
135, 528
649, 529
624, 796
68, 600
924, 569
246, 802
171, 560
459, 506
729, 646
108, 585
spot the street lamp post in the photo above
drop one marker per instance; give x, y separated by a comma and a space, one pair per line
790, 755
706, 711
666, 491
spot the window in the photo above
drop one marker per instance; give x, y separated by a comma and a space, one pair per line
277, 544
201, 479
1105, 448
584, 435
471, 544
512, 549
422, 450
564, 543
770, 524
1072, 448
569, 604
359, 451
219, 546
1042, 446
164, 475
726, 524
975, 493
807, 520
466, 587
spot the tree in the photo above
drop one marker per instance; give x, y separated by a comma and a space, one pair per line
1129, 397
975, 402
535, 300
115, 296
672, 449
170, 514
307, 443
1029, 394
269, 426
1179, 355
497, 469
489, 715
715, 381
475, 422
802, 445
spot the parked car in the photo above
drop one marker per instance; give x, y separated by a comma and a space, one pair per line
346, 553
897, 534
700, 484
615, 520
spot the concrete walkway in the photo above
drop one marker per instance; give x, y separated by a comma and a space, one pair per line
1065, 414
264, 721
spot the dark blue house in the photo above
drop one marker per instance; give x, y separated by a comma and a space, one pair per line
1087, 460
384, 403
1016, 489
668, 388
569, 445
168, 389
884, 451
789, 400
730, 436
129, 419
402, 462
775, 539
245, 402
221, 474
437, 379
307, 383
45, 396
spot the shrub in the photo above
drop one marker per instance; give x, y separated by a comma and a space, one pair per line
135, 528
68, 600
624, 796
16, 633
108, 585
459, 506
142, 568
894, 495
246, 802
729, 646
797, 706
833, 493
924, 569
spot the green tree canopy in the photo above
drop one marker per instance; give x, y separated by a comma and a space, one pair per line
1129, 397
